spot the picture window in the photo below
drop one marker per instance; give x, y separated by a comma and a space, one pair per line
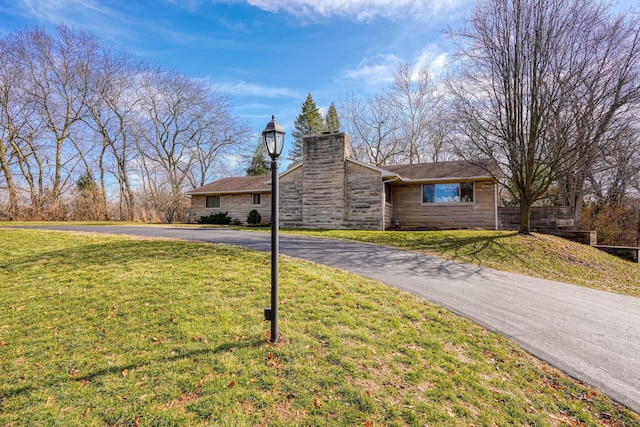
456, 192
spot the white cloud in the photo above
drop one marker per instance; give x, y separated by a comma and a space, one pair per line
374, 72
93, 16
360, 10
252, 89
55, 11
433, 58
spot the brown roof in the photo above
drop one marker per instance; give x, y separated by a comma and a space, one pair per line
444, 170
415, 172
239, 184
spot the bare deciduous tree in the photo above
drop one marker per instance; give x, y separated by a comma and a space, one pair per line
11, 122
412, 102
56, 71
113, 113
524, 68
184, 127
71, 106
370, 125
402, 124
603, 88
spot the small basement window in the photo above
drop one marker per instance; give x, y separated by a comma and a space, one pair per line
256, 199
455, 192
212, 202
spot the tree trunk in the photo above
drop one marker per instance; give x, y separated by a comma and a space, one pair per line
525, 217
13, 196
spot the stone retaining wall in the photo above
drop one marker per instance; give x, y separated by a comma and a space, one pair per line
543, 219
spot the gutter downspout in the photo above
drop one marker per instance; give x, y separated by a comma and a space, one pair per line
495, 203
384, 206
384, 202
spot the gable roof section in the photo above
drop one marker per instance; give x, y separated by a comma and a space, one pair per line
289, 170
444, 171
384, 172
239, 184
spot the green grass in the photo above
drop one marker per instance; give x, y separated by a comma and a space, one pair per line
100, 330
537, 255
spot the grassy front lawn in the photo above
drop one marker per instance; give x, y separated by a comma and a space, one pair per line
538, 255
107, 330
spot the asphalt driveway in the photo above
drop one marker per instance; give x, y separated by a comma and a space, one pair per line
594, 336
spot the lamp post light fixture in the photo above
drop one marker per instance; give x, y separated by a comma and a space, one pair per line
273, 138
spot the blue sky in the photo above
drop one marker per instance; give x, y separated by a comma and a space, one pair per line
267, 54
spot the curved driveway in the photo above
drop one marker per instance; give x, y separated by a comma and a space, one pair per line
592, 335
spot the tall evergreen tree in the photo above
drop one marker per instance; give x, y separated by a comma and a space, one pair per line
332, 120
259, 162
308, 122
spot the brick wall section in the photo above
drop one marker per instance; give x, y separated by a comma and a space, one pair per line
408, 208
237, 206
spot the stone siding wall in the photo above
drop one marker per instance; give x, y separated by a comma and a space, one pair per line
335, 193
412, 213
291, 199
323, 195
364, 198
237, 205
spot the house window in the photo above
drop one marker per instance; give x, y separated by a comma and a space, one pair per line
387, 193
256, 199
455, 192
212, 202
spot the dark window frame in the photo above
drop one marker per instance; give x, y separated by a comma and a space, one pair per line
212, 198
449, 193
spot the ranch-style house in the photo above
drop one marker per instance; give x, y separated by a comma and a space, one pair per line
331, 190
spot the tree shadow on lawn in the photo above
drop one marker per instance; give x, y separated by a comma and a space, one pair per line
125, 255
118, 252
472, 248
117, 370
469, 247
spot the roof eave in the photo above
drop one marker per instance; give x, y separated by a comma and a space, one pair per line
449, 179
201, 193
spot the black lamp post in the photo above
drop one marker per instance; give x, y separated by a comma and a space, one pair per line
273, 137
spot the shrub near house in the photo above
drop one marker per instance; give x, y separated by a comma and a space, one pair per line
216, 218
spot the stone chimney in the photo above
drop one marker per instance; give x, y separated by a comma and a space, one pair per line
324, 199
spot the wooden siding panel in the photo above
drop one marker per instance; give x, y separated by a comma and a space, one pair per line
408, 208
